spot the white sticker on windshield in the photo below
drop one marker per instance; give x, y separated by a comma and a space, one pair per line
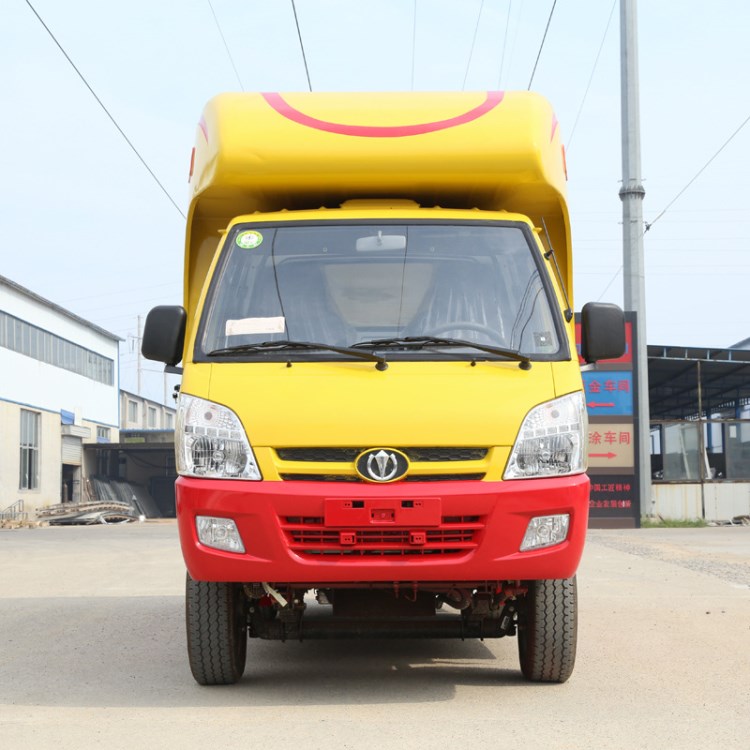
247, 326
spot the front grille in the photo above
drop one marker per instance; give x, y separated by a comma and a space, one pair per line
308, 536
379, 552
287, 477
415, 455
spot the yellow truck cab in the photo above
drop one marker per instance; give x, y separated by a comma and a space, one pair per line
381, 429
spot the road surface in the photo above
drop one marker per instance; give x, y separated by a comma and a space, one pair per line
92, 654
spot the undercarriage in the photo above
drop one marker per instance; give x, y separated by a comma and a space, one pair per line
395, 611
221, 616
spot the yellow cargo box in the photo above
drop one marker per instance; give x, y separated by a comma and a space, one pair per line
266, 152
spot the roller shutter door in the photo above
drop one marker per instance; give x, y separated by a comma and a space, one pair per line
72, 450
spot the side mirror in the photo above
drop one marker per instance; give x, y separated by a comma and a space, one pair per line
164, 334
602, 331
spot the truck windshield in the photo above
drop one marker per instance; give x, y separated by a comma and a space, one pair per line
412, 291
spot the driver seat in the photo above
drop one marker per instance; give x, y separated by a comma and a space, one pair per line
462, 292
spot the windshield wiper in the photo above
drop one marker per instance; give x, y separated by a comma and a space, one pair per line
417, 342
283, 344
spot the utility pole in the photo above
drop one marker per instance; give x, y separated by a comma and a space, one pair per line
631, 194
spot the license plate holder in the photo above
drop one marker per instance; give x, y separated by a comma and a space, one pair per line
423, 511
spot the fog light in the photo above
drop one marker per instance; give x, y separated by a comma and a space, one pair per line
545, 531
219, 533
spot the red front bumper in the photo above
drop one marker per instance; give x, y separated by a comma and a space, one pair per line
322, 533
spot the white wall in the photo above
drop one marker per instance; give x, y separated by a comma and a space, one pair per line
141, 422
28, 381
42, 386
683, 502
50, 465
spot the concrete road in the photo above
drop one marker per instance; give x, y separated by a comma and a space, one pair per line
92, 654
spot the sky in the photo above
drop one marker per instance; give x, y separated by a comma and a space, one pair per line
85, 225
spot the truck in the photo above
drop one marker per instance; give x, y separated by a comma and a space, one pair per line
380, 430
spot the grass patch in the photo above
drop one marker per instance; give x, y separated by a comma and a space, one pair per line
657, 522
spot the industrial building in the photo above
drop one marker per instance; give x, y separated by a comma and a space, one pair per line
70, 436
700, 432
59, 393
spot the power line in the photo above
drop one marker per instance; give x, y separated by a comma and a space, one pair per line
611, 281
516, 32
413, 43
107, 112
473, 42
302, 46
591, 77
226, 46
674, 200
505, 46
697, 175
541, 46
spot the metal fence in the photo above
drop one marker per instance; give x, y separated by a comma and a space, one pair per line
15, 512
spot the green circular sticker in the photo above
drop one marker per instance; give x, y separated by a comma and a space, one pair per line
249, 240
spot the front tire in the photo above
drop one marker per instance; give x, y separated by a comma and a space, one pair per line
548, 630
216, 621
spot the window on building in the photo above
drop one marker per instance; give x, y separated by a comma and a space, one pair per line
152, 417
29, 450
102, 434
169, 421
712, 450
132, 412
737, 441
25, 338
682, 459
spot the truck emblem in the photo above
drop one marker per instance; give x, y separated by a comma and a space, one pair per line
382, 465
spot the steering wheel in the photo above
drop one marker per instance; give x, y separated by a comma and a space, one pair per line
466, 325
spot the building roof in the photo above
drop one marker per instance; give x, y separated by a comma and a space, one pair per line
687, 381
60, 310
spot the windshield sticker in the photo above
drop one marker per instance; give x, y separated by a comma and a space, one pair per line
247, 326
249, 240
543, 338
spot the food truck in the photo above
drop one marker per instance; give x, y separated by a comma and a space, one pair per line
381, 429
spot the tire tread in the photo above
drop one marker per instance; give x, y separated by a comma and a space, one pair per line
216, 648
548, 637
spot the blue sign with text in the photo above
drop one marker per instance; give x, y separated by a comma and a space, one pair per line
608, 393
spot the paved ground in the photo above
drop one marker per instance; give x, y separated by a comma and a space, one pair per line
92, 653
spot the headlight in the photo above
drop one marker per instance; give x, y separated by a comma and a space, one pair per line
552, 440
210, 442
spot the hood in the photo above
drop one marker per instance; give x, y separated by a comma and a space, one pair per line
327, 404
